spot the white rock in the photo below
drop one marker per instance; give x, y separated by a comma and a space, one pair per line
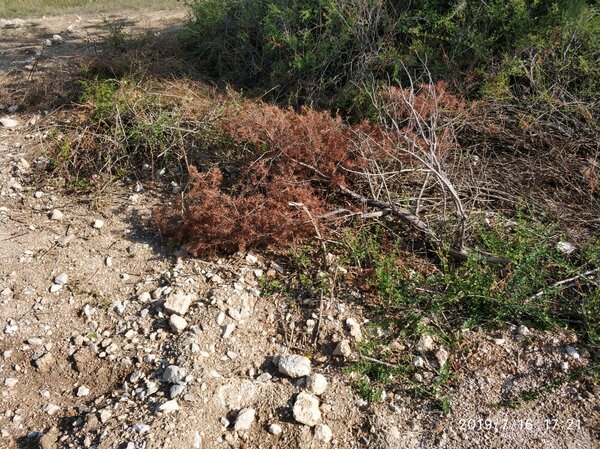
565, 247
228, 330
45, 362
83, 391
56, 215
151, 388
144, 297
6, 292
354, 328
197, 440
178, 303
55, 288
141, 428
294, 365
8, 122
425, 344
57, 38
572, 352
523, 330
342, 349
176, 390
220, 318
418, 362
51, 409
10, 382
108, 261
47, 42
306, 409
13, 108
105, 415
35, 341
177, 323
251, 259
174, 374
244, 419
264, 377
61, 279
169, 406
97, 224
275, 429
323, 433
316, 384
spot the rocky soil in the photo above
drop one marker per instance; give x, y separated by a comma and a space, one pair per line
111, 339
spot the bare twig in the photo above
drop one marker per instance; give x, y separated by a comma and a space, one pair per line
405, 215
381, 362
565, 283
325, 266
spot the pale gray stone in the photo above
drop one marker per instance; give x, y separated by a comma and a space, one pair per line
294, 365
306, 409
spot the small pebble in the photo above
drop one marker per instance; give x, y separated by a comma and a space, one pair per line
244, 419
169, 406
56, 215
323, 433
275, 429
61, 279
177, 323
572, 352
83, 391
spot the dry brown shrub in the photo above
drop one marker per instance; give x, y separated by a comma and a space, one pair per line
291, 157
211, 220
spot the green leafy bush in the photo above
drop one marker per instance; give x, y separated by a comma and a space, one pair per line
323, 52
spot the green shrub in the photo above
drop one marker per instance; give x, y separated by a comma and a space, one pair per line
323, 52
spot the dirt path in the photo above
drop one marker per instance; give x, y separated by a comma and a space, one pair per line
91, 354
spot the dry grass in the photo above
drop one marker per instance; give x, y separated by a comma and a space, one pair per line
32, 8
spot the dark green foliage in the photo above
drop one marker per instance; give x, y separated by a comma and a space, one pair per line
324, 52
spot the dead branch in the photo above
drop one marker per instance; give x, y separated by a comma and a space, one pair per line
565, 283
410, 218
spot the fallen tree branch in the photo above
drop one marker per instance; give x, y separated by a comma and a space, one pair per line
410, 218
565, 283
381, 362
